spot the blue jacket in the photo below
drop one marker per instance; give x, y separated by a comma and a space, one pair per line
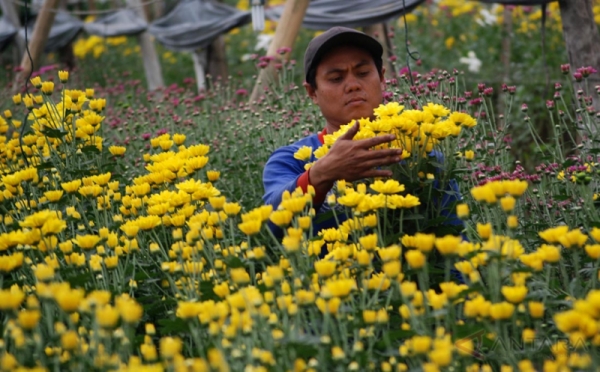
282, 172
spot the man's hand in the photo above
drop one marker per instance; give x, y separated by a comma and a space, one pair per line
353, 160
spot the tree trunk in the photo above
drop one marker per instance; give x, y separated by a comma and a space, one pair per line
583, 46
217, 59
582, 40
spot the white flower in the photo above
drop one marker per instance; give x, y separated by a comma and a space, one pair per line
471, 60
263, 41
487, 18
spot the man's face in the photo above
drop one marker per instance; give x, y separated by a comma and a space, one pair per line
349, 86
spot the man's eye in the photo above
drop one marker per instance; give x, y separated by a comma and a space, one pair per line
335, 79
363, 73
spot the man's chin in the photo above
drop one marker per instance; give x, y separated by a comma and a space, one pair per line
360, 112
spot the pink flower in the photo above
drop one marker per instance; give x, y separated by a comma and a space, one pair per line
586, 71
45, 69
241, 92
284, 50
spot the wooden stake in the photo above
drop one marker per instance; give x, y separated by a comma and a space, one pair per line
9, 10
379, 31
152, 68
41, 29
285, 35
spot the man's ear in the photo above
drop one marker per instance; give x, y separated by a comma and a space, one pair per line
311, 92
382, 79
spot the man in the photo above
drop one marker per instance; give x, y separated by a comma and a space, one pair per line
345, 77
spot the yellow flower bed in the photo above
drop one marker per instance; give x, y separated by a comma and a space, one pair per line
163, 272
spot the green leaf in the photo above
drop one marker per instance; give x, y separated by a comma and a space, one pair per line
54, 133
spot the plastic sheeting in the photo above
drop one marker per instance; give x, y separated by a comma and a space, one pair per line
324, 14
64, 30
194, 24
7, 32
121, 23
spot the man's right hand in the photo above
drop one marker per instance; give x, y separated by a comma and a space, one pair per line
353, 160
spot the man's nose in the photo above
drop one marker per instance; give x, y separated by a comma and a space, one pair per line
352, 83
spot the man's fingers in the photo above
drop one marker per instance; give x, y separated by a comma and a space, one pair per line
351, 132
378, 140
378, 162
372, 173
384, 153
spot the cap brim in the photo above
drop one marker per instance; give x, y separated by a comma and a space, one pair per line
357, 39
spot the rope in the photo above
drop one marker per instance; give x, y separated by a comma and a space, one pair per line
409, 55
544, 59
31, 69
89, 12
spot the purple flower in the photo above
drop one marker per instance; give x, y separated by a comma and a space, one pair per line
241, 92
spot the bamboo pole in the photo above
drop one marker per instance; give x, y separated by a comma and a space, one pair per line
285, 35
42, 27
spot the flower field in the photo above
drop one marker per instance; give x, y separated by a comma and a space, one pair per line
134, 237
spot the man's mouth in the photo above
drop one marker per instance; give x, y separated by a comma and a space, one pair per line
356, 100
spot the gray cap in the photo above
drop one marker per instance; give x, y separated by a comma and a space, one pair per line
338, 36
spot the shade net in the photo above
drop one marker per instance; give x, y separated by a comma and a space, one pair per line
324, 14
64, 30
7, 32
194, 24
517, 2
123, 22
